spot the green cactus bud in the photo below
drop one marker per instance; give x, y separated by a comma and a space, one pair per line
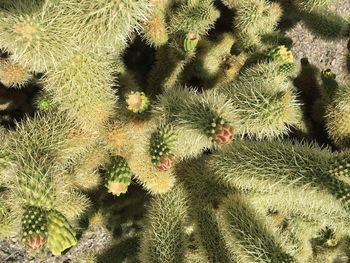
137, 102
45, 103
60, 233
190, 42
34, 227
160, 147
118, 176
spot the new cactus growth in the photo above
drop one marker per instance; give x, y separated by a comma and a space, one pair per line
118, 176
160, 147
34, 227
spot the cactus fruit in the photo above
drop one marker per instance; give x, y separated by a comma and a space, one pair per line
60, 233
137, 102
118, 176
34, 227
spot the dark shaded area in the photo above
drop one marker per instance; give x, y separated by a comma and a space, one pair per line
120, 251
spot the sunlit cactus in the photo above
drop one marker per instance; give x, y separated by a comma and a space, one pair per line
182, 131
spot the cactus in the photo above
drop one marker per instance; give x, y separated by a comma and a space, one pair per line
310, 5
183, 111
337, 116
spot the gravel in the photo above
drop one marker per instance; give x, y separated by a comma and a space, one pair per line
320, 52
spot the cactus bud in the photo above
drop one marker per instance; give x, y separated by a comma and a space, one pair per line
220, 131
165, 163
280, 53
160, 145
34, 227
118, 176
137, 102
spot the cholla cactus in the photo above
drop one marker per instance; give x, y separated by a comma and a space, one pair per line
206, 83
254, 19
33, 178
310, 5
249, 205
338, 116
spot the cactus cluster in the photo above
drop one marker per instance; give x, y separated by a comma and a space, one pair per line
196, 104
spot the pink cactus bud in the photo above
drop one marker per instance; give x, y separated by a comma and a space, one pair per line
165, 163
224, 135
36, 242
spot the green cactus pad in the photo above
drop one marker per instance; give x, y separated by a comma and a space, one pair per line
60, 234
160, 144
118, 176
34, 227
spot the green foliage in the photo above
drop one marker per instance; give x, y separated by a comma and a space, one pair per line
86, 73
251, 234
264, 101
197, 17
